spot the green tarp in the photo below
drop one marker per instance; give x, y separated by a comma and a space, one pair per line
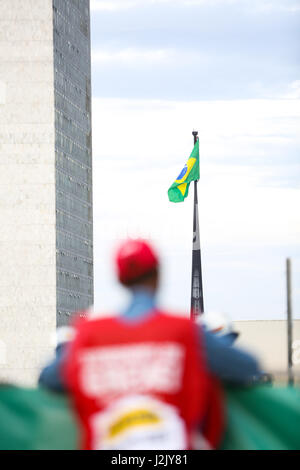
258, 418
35, 419
263, 418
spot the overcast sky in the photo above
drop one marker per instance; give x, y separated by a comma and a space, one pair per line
229, 69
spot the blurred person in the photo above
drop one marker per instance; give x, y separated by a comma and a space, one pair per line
139, 380
50, 376
220, 324
130, 374
235, 366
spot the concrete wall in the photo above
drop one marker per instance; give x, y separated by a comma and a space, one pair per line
27, 188
267, 339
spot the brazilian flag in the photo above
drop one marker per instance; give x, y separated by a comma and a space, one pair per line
190, 172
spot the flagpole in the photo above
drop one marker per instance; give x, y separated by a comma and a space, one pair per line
197, 304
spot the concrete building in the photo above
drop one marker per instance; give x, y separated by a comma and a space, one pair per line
46, 245
267, 339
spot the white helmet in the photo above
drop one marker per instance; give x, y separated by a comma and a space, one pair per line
63, 334
218, 323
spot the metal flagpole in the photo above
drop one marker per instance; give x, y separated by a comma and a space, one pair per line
197, 305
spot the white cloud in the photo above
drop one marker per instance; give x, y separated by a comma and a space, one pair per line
116, 5
293, 91
163, 128
261, 5
139, 147
111, 5
279, 5
138, 56
130, 56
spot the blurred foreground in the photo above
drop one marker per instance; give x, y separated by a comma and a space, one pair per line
258, 418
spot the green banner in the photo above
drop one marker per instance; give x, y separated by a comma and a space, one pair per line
263, 418
258, 418
35, 420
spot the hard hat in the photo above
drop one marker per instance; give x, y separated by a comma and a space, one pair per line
134, 259
64, 334
220, 324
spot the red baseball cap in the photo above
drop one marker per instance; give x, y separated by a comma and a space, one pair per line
134, 259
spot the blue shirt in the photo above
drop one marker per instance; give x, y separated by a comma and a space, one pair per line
227, 362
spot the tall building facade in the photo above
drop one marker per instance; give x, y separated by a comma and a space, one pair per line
46, 230
72, 91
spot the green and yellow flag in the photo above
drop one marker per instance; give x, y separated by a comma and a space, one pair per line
190, 172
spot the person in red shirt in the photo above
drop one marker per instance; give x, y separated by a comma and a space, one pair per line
140, 380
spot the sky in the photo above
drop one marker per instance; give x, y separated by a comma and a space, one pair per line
230, 70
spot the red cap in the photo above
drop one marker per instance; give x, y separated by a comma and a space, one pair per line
134, 259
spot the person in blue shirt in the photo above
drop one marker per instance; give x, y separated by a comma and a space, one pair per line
225, 361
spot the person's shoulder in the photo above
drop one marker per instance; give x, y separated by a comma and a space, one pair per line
177, 318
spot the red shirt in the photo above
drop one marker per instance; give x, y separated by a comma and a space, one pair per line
156, 358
